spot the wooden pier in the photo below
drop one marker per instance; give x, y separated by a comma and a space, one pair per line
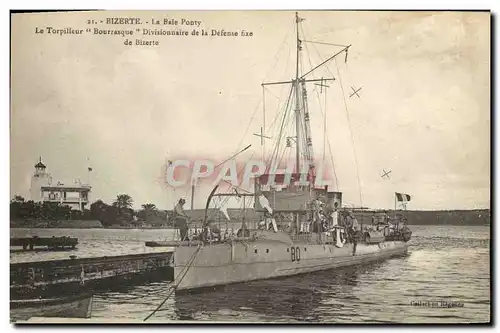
52, 243
70, 276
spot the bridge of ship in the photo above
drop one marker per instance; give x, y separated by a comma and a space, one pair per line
289, 197
293, 193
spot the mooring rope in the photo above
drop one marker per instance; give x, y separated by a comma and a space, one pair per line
184, 270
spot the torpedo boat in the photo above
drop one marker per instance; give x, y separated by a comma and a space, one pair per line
304, 226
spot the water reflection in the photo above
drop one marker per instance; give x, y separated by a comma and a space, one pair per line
445, 263
297, 298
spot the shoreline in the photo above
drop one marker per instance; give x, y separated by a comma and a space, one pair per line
236, 225
473, 217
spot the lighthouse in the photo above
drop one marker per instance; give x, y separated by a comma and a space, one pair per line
39, 179
42, 189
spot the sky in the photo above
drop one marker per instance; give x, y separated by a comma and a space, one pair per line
89, 100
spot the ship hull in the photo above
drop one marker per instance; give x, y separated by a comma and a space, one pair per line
221, 264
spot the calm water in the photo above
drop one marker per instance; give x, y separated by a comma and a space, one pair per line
445, 264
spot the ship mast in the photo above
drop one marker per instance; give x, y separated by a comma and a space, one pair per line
297, 98
299, 89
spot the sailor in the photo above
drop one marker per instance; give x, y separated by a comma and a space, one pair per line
280, 222
404, 222
355, 225
348, 219
391, 226
335, 214
352, 225
323, 225
181, 218
317, 207
271, 223
315, 222
353, 230
243, 231
212, 231
295, 226
262, 225
335, 224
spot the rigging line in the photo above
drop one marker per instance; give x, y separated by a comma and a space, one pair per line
184, 270
234, 155
309, 57
331, 158
281, 90
279, 158
236, 187
282, 86
324, 115
324, 135
288, 129
276, 61
327, 60
303, 137
248, 126
276, 141
352, 134
276, 119
282, 124
328, 138
232, 186
324, 43
278, 114
276, 57
319, 100
263, 128
288, 155
315, 90
224, 201
270, 92
285, 70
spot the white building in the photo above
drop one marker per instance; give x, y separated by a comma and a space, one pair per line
75, 196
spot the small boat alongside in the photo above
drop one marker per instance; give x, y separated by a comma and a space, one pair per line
65, 307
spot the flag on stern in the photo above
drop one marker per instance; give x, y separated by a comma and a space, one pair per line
403, 197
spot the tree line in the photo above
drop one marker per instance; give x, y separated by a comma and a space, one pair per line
120, 212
